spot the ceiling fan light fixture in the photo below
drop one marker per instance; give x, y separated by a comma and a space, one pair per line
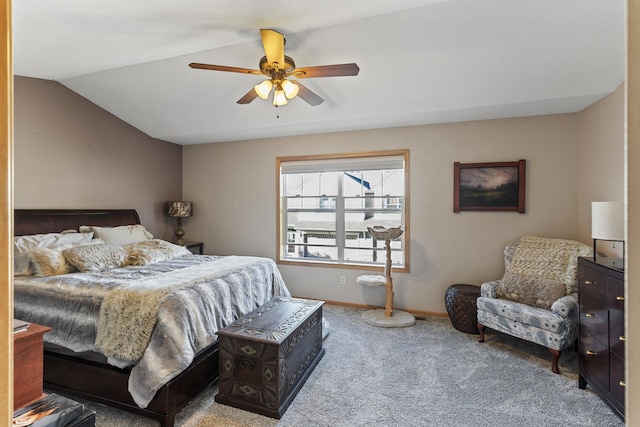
263, 89
279, 98
290, 89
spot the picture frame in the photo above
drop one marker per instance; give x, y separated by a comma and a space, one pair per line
490, 186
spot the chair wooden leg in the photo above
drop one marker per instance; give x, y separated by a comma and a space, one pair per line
554, 363
481, 330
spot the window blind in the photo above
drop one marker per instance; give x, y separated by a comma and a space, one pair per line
343, 164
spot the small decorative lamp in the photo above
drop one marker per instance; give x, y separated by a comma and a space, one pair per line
607, 223
180, 210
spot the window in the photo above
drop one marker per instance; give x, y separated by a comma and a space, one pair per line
326, 203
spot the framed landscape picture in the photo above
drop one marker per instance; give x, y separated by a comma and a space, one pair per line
495, 186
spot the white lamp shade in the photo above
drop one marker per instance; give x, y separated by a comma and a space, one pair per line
279, 98
290, 89
607, 221
263, 89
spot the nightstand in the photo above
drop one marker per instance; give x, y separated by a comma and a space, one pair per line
195, 247
28, 354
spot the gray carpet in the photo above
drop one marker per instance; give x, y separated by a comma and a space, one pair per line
426, 375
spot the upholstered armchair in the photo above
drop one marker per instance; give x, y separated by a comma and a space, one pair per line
536, 299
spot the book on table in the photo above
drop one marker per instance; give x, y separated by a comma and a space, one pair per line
19, 325
51, 411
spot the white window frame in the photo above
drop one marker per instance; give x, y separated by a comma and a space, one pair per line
337, 162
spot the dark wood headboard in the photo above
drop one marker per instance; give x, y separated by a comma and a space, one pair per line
37, 221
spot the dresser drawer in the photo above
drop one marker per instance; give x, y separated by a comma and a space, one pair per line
615, 301
616, 377
594, 359
594, 321
592, 286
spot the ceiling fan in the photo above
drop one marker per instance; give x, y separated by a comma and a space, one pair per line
279, 68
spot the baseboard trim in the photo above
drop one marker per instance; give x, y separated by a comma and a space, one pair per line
419, 314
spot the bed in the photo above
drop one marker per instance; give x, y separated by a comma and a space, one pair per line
170, 353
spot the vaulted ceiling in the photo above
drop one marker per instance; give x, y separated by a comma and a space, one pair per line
421, 61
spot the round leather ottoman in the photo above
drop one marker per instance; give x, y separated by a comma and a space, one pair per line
460, 301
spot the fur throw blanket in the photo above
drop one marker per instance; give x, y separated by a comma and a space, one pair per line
128, 314
553, 259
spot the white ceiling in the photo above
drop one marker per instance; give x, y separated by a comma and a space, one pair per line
421, 61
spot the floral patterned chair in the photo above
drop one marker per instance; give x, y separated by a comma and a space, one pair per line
536, 299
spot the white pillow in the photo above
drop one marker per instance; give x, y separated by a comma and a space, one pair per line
121, 235
22, 245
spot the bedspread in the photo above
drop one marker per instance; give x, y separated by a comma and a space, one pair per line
194, 296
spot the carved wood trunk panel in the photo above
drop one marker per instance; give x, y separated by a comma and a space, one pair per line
266, 356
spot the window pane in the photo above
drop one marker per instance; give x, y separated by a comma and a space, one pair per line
321, 199
372, 256
374, 182
311, 235
310, 184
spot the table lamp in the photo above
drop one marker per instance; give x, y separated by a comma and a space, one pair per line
607, 223
180, 210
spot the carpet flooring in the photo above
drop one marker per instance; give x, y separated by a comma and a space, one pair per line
428, 374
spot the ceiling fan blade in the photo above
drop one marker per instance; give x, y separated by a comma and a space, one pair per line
326, 71
224, 68
273, 43
248, 97
307, 95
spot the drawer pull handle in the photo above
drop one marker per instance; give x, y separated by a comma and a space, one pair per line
590, 315
590, 282
623, 383
591, 353
622, 338
619, 298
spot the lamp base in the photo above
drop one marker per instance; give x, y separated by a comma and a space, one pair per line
179, 234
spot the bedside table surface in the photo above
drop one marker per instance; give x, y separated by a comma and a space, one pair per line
195, 247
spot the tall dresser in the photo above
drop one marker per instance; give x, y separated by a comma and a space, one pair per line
602, 334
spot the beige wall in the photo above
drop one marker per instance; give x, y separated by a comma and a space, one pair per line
601, 161
233, 187
70, 153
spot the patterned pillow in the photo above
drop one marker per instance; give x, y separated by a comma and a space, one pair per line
530, 290
47, 262
153, 251
95, 258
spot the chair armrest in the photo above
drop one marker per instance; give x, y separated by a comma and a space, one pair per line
488, 289
566, 306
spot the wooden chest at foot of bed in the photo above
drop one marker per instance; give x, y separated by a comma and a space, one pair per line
267, 355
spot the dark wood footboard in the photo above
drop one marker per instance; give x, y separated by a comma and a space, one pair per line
108, 385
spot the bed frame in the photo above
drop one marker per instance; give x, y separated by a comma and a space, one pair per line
99, 382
